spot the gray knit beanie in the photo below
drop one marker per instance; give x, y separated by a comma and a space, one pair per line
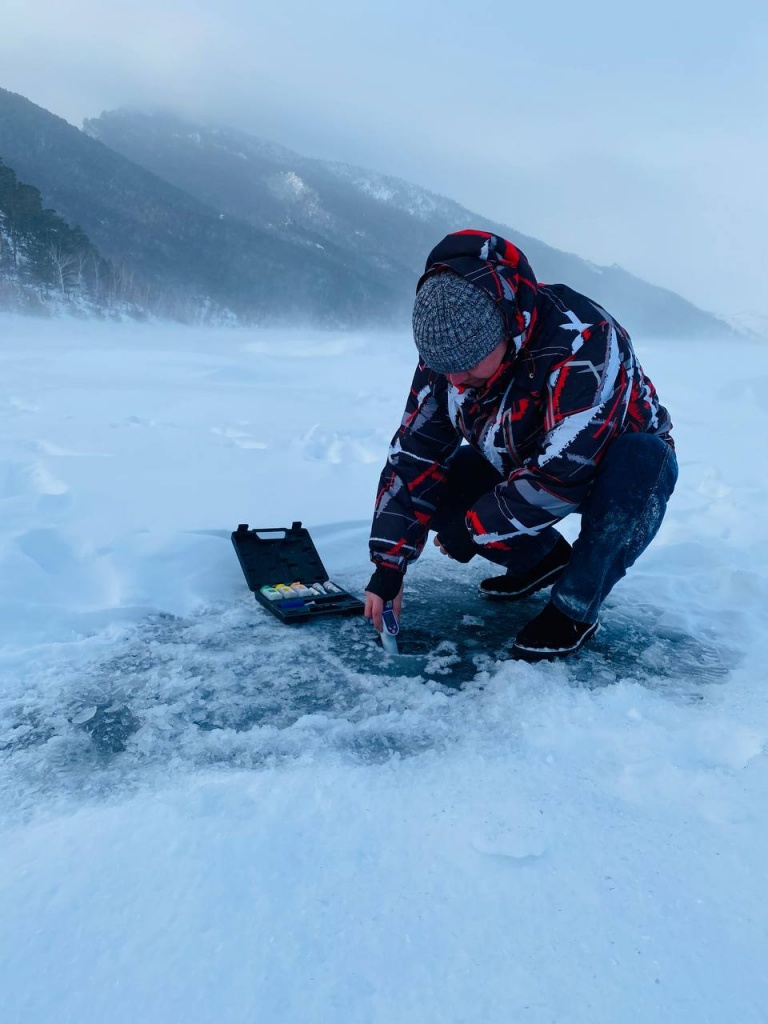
455, 324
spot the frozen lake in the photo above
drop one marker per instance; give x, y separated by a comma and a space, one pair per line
210, 816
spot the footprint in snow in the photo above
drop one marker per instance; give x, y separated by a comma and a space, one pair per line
20, 405
330, 446
29, 479
239, 438
50, 448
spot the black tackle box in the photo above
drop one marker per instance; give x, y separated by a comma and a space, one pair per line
285, 556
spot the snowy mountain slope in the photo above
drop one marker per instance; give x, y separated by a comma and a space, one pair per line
383, 224
750, 322
188, 261
209, 816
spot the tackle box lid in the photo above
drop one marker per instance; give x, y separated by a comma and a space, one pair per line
281, 555
270, 556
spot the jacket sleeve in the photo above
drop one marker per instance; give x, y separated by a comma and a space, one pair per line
585, 407
414, 476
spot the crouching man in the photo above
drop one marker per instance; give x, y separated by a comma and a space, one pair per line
528, 404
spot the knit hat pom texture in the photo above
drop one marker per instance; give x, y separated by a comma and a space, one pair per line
455, 324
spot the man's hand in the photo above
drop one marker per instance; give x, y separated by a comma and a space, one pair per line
455, 540
437, 544
374, 606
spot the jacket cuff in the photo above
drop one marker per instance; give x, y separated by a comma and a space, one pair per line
385, 583
457, 540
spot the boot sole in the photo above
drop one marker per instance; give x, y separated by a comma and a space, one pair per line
544, 581
522, 653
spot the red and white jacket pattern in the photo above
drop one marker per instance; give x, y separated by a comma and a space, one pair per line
569, 384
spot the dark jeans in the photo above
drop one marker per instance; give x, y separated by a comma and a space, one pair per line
619, 518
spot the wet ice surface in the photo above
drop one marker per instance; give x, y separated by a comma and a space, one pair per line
232, 687
208, 815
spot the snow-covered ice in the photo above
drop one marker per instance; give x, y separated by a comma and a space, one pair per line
208, 816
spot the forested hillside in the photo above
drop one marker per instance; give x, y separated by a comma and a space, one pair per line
382, 227
43, 260
203, 223
190, 260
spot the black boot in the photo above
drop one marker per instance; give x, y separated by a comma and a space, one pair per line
552, 635
513, 587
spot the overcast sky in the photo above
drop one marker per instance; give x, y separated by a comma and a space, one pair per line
636, 136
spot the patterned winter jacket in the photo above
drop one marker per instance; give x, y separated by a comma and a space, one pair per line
569, 384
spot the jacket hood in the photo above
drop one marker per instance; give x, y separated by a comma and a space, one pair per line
498, 267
